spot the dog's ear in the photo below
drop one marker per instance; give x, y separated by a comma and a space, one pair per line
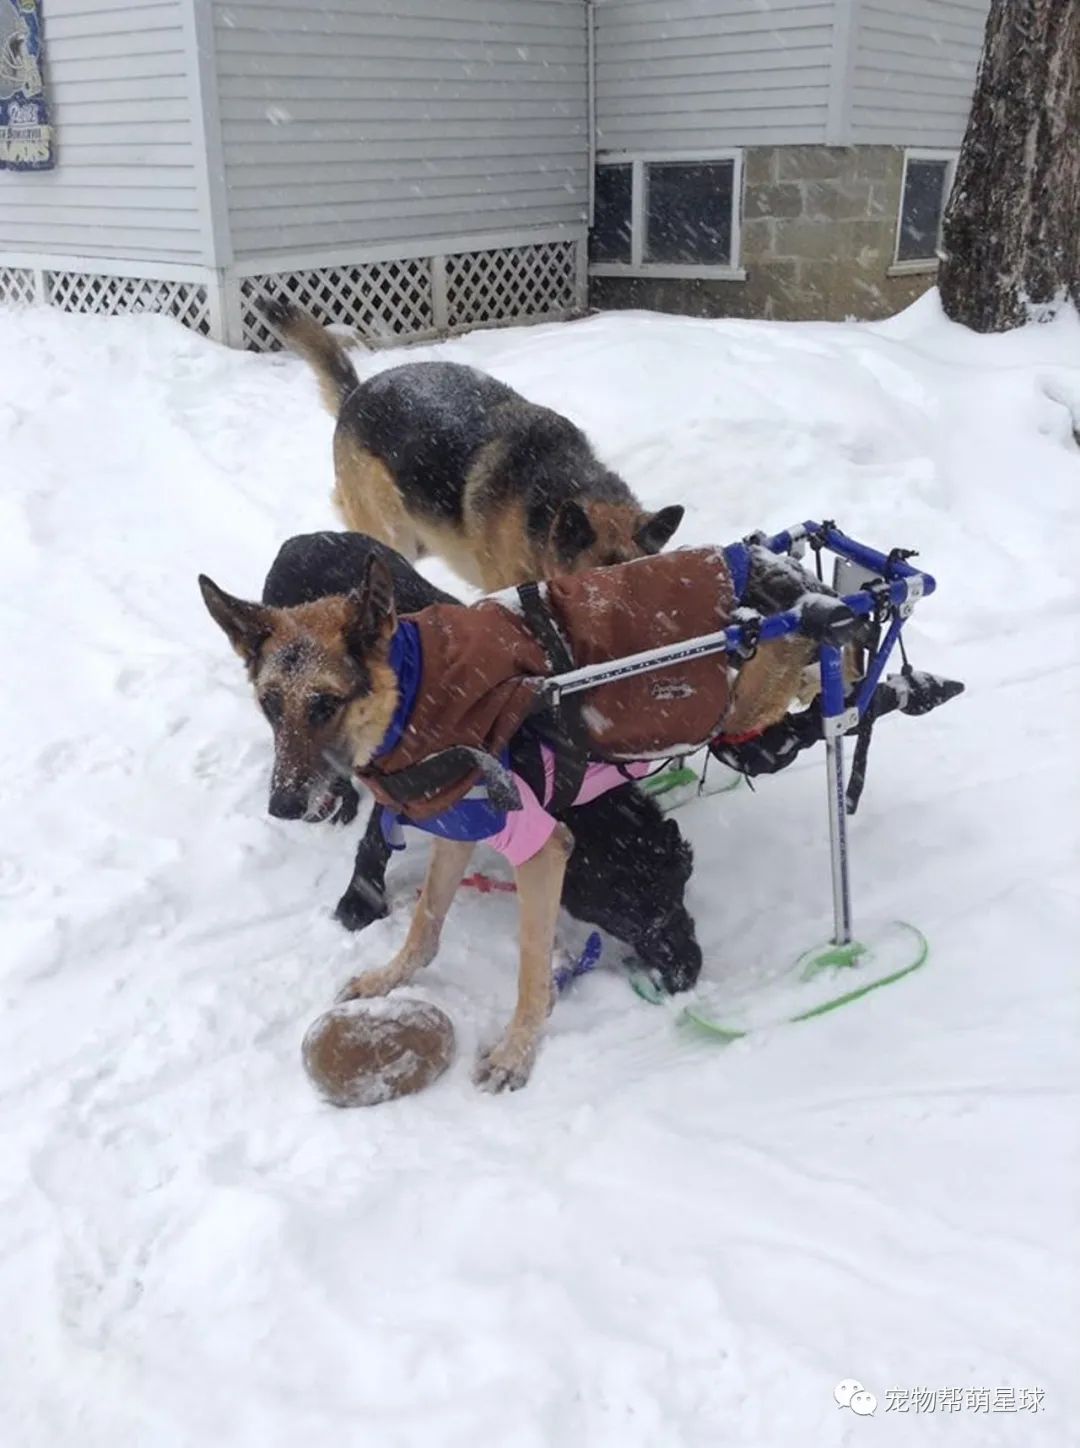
656, 530
371, 614
247, 625
572, 530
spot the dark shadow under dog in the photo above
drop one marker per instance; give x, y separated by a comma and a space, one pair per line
629, 867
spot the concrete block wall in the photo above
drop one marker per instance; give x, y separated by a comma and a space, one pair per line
818, 236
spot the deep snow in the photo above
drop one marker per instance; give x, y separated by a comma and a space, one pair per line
658, 1242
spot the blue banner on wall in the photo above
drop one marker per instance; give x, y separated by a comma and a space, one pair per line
26, 137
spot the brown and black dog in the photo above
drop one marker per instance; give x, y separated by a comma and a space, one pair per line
630, 865
437, 457
323, 675
323, 679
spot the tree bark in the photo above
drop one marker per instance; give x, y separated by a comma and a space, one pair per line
1011, 235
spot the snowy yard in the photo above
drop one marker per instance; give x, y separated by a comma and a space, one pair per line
660, 1241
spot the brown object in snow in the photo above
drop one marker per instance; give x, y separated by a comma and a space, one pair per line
363, 1054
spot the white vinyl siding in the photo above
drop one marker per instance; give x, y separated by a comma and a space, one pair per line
365, 122
126, 183
695, 75
914, 70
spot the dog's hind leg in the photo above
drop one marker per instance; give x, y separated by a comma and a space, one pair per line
449, 860
766, 685
539, 882
365, 898
367, 497
628, 874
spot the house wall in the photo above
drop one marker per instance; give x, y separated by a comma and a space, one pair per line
694, 74
409, 167
422, 165
360, 123
127, 180
818, 236
820, 231
913, 70
822, 99
681, 75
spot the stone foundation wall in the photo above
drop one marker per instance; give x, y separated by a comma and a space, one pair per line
818, 236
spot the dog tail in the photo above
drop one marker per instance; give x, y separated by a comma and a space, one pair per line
318, 347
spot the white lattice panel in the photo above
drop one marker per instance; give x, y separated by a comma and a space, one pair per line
382, 299
386, 300
516, 282
73, 291
16, 284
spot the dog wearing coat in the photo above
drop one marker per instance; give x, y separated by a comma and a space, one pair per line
629, 867
425, 710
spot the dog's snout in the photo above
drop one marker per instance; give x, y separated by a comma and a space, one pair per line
288, 804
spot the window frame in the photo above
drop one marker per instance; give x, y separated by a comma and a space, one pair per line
637, 266
917, 264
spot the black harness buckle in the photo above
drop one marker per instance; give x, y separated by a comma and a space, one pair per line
751, 637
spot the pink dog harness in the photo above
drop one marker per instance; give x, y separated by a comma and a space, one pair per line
517, 834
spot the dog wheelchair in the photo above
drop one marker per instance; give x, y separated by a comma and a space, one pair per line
873, 595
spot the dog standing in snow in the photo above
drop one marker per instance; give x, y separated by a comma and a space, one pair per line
437, 457
433, 714
629, 867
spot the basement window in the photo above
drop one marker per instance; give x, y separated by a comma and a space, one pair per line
609, 239
928, 177
667, 216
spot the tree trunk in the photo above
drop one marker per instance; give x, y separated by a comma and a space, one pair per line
1011, 237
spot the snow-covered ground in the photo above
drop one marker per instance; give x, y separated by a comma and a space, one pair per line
659, 1242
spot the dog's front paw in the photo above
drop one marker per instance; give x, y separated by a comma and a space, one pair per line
506, 1067
357, 909
364, 987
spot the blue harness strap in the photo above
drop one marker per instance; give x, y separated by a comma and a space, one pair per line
407, 662
737, 557
472, 818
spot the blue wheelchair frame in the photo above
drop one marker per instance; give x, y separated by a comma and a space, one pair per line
894, 590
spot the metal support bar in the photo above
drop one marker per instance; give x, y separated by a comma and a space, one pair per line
870, 558
876, 666
590, 109
836, 718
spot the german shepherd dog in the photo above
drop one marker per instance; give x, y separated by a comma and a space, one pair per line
309, 661
436, 457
